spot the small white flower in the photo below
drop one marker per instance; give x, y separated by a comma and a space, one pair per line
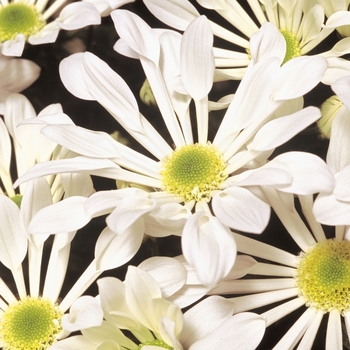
29, 21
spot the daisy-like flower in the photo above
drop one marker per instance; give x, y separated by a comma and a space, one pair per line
338, 160
29, 21
316, 280
204, 186
300, 22
138, 307
15, 76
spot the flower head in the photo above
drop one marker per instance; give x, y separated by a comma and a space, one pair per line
300, 22
204, 186
27, 21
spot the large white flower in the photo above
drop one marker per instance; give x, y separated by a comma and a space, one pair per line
338, 160
316, 280
29, 21
138, 307
204, 186
300, 22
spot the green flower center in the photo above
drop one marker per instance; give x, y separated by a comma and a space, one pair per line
17, 199
323, 276
293, 48
194, 171
30, 324
157, 343
19, 18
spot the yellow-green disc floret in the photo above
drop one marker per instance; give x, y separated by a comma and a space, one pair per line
30, 324
19, 18
292, 45
323, 276
193, 172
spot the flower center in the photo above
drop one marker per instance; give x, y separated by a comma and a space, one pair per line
156, 343
323, 276
19, 18
194, 171
17, 199
30, 324
292, 45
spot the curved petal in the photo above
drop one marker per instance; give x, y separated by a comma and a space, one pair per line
209, 247
239, 209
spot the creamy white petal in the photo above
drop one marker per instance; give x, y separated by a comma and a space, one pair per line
73, 343
14, 47
85, 312
241, 332
204, 318
65, 216
240, 209
209, 247
109, 243
78, 15
310, 173
168, 272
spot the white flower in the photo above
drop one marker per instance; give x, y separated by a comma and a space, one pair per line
29, 21
206, 185
105, 7
137, 306
316, 280
15, 76
34, 319
338, 160
300, 22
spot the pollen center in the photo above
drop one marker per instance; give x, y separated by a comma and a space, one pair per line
30, 324
19, 18
292, 45
323, 276
194, 171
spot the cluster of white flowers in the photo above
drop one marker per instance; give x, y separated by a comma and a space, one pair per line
210, 173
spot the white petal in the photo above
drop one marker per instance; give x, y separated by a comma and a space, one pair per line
14, 47
168, 272
78, 15
109, 243
74, 343
241, 332
267, 42
239, 209
310, 173
204, 318
298, 76
175, 13
342, 88
47, 34
280, 130
329, 211
137, 34
65, 216
85, 312
197, 58
13, 240
72, 76
209, 247
334, 339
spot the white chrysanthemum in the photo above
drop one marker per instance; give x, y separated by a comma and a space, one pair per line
30, 21
316, 280
300, 22
204, 186
137, 316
